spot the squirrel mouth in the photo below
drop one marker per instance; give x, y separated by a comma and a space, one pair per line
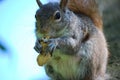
54, 34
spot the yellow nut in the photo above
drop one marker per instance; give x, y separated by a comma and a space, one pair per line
43, 59
44, 56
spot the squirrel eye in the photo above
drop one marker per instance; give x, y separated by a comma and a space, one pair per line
57, 15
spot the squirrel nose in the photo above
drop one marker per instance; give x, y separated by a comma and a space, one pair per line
44, 29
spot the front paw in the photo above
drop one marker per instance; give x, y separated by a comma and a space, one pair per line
38, 46
52, 45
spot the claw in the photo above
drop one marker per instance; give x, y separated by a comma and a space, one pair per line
38, 46
37, 50
52, 46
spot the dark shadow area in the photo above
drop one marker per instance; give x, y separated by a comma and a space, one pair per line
2, 47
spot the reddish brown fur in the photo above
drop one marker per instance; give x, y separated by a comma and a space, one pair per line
87, 7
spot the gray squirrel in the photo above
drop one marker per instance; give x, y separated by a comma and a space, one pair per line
79, 48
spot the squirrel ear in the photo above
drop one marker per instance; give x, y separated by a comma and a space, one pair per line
39, 3
63, 4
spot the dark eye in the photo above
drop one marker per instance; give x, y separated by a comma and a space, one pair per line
57, 15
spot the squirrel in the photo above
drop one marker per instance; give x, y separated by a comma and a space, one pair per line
78, 46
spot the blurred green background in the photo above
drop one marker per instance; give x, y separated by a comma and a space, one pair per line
111, 18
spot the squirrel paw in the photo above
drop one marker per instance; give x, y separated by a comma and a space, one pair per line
52, 45
38, 46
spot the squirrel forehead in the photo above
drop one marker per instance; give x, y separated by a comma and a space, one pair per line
47, 10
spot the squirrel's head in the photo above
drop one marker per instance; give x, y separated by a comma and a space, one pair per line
51, 19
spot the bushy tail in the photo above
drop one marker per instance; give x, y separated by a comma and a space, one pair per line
92, 8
